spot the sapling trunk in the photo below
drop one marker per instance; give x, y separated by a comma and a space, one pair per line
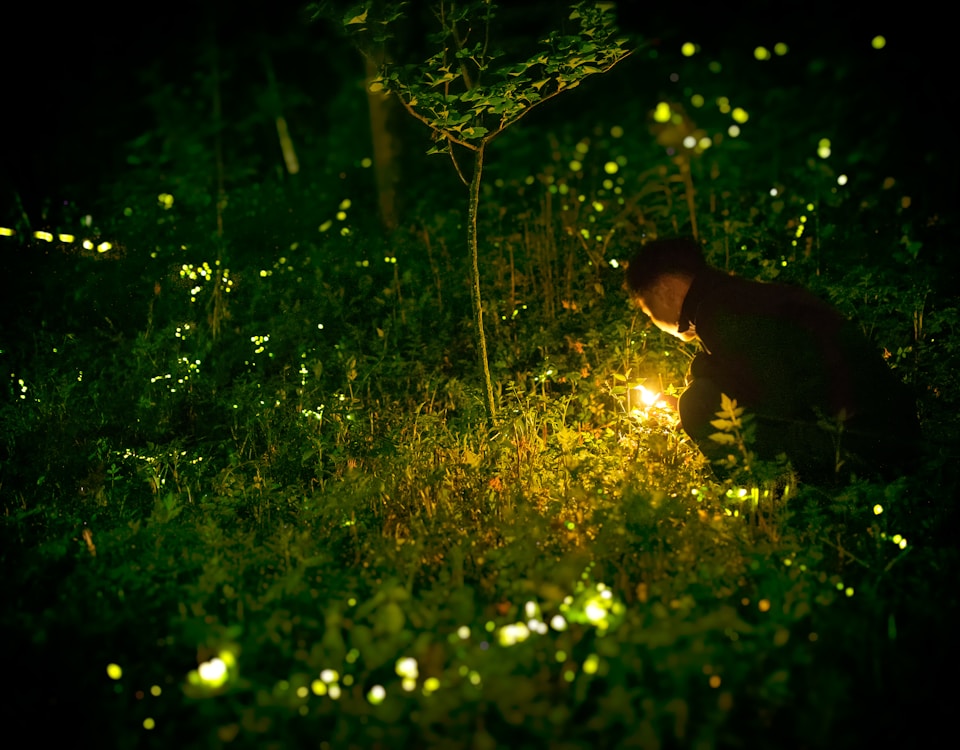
473, 243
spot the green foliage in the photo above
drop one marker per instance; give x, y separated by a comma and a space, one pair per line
467, 96
467, 92
247, 504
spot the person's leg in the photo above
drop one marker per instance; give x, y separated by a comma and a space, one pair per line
698, 406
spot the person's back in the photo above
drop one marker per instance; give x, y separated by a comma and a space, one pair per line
818, 391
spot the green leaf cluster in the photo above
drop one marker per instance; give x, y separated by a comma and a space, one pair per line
467, 92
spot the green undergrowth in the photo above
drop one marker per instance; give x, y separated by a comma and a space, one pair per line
250, 499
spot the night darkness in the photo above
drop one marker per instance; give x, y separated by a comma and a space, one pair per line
74, 94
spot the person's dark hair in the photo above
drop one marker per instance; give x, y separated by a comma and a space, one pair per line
660, 257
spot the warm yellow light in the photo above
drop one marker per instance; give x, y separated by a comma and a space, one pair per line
689, 49
591, 664
66, 237
740, 115
644, 399
45, 236
595, 611
114, 672
103, 247
510, 635
407, 667
213, 672
7, 232
329, 675
761, 53
662, 112
878, 42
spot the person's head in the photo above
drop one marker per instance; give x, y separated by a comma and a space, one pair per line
659, 276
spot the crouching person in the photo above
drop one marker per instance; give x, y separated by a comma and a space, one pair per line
812, 388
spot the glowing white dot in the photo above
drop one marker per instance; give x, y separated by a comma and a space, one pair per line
329, 675
213, 670
407, 667
595, 612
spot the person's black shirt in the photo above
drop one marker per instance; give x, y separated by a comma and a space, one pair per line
818, 391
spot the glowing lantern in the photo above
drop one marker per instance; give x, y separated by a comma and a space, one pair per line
643, 399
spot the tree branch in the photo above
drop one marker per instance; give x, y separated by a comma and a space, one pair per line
507, 123
456, 166
444, 133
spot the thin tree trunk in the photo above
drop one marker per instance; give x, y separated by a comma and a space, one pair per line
218, 135
276, 110
217, 306
386, 146
474, 204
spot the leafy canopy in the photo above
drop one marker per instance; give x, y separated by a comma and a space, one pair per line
468, 92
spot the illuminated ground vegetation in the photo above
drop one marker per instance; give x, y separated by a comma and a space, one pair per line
249, 497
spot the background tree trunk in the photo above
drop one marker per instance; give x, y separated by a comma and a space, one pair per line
386, 144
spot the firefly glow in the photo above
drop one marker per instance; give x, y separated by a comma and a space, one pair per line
213, 672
